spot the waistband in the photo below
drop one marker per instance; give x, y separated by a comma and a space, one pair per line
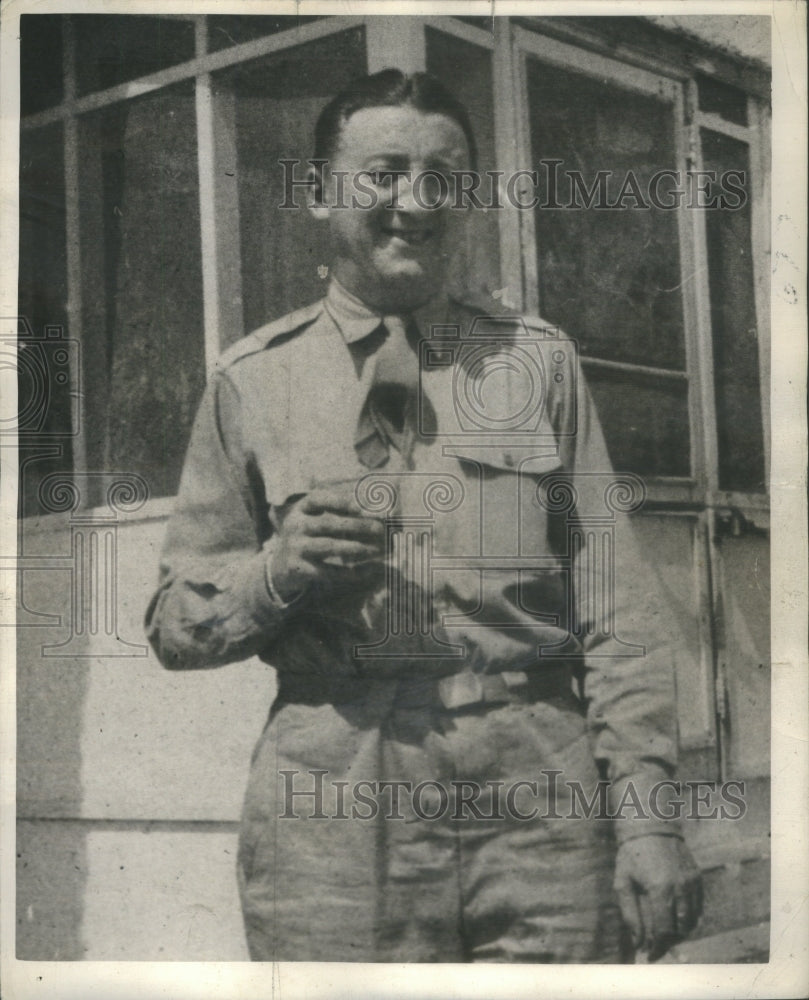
452, 693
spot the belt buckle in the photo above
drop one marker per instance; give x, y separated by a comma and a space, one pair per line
514, 679
459, 690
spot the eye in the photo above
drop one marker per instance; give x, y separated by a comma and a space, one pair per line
384, 178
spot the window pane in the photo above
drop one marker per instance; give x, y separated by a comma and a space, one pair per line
728, 102
484, 23
645, 423
143, 340
276, 102
225, 30
114, 48
609, 277
40, 62
46, 350
733, 322
466, 70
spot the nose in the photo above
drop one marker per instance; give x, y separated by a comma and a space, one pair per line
421, 191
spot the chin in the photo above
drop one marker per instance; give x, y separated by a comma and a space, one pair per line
412, 271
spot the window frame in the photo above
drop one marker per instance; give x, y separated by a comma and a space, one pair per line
678, 85
512, 41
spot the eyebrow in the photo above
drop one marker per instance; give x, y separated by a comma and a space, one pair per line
404, 156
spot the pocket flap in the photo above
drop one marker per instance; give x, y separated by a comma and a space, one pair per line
527, 459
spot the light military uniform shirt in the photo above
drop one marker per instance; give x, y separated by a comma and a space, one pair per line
507, 515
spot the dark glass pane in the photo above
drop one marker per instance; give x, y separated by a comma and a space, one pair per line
733, 322
225, 30
114, 48
726, 101
645, 422
143, 338
40, 61
466, 70
486, 23
276, 100
609, 276
46, 350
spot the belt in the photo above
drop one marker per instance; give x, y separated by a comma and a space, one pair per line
452, 693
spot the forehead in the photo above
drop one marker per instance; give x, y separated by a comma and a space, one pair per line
401, 131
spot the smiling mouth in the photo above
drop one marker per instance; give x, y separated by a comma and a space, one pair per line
412, 237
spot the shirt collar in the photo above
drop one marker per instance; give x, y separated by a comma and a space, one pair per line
355, 320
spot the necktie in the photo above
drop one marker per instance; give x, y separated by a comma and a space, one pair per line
390, 415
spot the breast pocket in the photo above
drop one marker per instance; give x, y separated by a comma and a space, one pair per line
505, 480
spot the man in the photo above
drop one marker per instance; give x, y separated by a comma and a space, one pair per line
418, 551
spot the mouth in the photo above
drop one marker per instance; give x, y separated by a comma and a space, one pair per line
410, 237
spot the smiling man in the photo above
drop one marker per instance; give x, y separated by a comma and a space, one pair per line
403, 502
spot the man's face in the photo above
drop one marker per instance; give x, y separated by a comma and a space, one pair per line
392, 248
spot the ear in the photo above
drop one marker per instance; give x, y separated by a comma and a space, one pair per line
317, 206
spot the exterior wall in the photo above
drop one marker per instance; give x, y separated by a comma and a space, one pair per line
130, 777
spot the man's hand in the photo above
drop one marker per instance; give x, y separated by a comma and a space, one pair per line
326, 538
659, 889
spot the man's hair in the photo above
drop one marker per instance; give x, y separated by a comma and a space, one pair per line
389, 88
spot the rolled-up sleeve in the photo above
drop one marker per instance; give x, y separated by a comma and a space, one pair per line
213, 605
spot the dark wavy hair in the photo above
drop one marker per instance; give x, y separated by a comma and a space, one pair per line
389, 88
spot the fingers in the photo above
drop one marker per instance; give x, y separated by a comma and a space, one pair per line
336, 499
659, 921
659, 888
331, 525
688, 903
338, 551
669, 914
628, 901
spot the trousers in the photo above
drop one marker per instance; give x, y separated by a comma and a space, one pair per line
379, 832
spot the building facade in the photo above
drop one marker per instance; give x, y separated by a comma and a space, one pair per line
154, 155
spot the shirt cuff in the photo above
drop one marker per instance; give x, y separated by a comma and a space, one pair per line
278, 602
646, 804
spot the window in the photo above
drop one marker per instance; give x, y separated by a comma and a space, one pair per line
733, 320
150, 157
663, 302
141, 322
118, 48
123, 208
233, 29
466, 69
611, 277
48, 417
270, 106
